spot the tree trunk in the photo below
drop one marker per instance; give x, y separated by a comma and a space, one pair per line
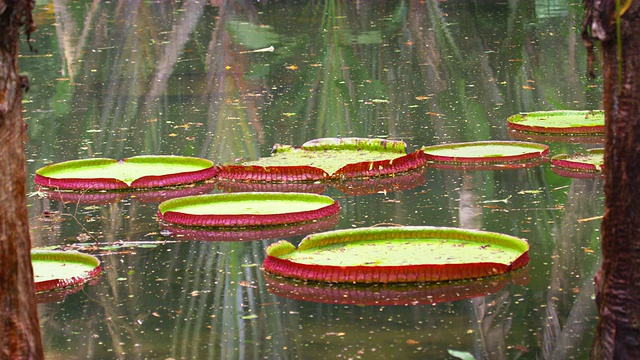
618, 281
19, 332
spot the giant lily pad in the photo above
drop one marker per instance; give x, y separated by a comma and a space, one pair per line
327, 159
559, 122
397, 255
579, 165
247, 209
134, 172
58, 270
499, 154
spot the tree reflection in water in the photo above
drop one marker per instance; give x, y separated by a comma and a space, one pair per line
127, 78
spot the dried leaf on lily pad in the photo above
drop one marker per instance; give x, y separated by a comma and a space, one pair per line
56, 270
327, 159
496, 154
579, 165
392, 294
250, 209
131, 173
397, 255
559, 122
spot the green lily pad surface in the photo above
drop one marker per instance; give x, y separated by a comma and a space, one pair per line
247, 209
579, 165
559, 122
397, 254
327, 159
133, 172
54, 270
485, 152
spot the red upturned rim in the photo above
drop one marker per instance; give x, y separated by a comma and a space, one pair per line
93, 264
595, 129
571, 162
569, 165
391, 274
93, 184
106, 183
306, 173
513, 123
380, 168
537, 151
298, 173
329, 207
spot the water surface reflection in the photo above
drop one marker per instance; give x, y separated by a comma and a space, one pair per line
124, 78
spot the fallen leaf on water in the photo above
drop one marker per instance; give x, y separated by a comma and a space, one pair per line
246, 284
590, 218
334, 334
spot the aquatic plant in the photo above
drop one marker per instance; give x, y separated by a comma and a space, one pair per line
327, 159
249, 209
397, 254
136, 172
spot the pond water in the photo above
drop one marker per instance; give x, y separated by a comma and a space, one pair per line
226, 80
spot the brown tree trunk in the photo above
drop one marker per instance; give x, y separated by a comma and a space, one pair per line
19, 329
618, 281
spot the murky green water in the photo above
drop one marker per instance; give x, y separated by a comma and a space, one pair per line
124, 78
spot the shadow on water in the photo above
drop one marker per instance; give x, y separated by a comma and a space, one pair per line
124, 78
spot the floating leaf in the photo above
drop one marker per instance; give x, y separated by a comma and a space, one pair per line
134, 172
559, 122
327, 159
247, 209
579, 165
397, 254
496, 154
55, 270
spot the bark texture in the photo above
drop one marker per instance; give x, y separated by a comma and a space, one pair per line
19, 327
618, 280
